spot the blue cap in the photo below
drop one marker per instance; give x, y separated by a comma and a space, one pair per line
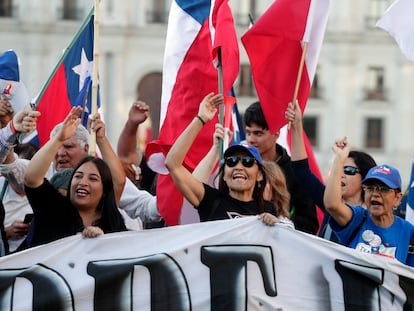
386, 174
253, 151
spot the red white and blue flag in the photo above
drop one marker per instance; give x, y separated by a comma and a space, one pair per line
69, 83
188, 75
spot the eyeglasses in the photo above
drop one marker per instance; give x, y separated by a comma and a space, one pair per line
245, 160
380, 189
350, 170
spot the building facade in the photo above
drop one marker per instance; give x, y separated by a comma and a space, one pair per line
363, 89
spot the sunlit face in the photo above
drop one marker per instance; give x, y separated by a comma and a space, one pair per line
381, 203
240, 178
350, 184
86, 188
262, 139
69, 154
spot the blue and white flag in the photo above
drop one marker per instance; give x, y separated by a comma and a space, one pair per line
409, 214
10, 84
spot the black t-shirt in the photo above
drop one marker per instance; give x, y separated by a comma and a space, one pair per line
216, 205
54, 216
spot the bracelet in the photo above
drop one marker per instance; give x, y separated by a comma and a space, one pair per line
12, 128
201, 120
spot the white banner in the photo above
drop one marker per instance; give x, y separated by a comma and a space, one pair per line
238, 264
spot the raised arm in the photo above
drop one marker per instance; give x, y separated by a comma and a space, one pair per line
109, 156
204, 169
127, 142
333, 194
191, 187
294, 116
39, 164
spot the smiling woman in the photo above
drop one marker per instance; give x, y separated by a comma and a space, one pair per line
375, 229
90, 205
241, 175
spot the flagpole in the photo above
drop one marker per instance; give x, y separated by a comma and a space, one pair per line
94, 104
300, 71
220, 90
299, 77
306, 39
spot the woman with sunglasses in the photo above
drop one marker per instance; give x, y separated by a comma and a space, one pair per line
275, 190
241, 176
375, 229
356, 166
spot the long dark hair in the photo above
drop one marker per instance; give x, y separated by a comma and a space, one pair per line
111, 219
258, 188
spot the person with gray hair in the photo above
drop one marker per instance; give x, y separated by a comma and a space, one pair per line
134, 202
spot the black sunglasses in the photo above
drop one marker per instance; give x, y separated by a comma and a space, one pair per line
245, 160
350, 170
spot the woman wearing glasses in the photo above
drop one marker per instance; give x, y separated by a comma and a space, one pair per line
375, 229
355, 168
241, 176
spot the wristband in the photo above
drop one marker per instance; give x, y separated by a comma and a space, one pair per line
201, 120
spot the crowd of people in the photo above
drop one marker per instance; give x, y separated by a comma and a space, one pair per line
115, 191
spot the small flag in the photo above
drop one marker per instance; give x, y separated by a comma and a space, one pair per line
10, 84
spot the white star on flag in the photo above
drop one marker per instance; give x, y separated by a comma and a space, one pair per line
84, 69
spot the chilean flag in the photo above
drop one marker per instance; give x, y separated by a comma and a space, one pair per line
274, 45
69, 83
189, 74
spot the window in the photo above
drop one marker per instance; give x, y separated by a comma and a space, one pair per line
159, 12
376, 10
374, 133
246, 81
310, 126
375, 89
6, 8
70, 11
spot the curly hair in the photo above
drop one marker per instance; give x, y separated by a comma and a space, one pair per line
277, 182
